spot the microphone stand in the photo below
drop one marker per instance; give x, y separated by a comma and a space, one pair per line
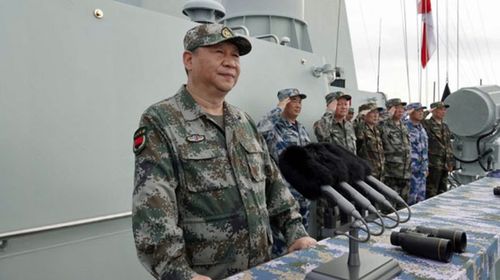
356, 264
353, 258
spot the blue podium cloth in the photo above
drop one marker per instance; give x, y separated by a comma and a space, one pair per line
471, 208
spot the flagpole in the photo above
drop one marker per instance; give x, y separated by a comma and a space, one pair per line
338, 32
419, 70
437, 44
379, 43
447, 41
458, 44
426, 87
434, 92
405, 34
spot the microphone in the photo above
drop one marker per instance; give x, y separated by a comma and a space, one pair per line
358, 169
365, 171
312, 179
393, 195
337, 167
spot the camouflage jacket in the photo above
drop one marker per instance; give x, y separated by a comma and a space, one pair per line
279, 133
440, 149
327, 129
419, 148
396, 144
205, 198
369, 146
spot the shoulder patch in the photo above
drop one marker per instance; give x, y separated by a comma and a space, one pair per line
140, 139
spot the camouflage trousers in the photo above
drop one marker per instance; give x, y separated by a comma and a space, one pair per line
417, 188
279, 243
401, 186
437, 182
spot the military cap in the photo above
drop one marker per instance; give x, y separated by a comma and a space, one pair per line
211, 34
439, 104
336, 95
415, 106
290, 92
369, 106
351, 110
394, 102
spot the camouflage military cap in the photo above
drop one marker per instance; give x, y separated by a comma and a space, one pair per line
290, 92
394, 102
211, 34
336, 95
351, 110
370, 106
439, 105
415, 106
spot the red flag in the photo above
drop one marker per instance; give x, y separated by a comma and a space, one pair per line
428, 39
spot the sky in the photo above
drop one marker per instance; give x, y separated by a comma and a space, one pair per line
478, 48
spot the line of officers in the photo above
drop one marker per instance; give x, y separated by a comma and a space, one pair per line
406, 151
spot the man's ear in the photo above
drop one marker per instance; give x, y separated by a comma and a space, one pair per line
187, 59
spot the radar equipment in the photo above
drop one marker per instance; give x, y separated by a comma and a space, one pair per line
474, 117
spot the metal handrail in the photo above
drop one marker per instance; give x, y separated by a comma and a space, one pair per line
23, 232
271, 36
241, 27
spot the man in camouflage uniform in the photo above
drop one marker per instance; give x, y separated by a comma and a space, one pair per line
368, 141
334, 128
281, 129
206, 190
440, 150
396, 148
419, 152
350, 114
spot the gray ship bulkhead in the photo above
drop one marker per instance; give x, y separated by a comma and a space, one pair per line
73, 83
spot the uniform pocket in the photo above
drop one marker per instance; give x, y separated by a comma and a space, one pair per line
255, 159
204, 168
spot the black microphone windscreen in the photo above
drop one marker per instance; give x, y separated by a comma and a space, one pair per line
356, 169
303, 172
333, 163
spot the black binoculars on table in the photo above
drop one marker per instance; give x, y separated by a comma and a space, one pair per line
436, 244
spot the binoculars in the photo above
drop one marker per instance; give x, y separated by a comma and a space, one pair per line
496, 190
436, 244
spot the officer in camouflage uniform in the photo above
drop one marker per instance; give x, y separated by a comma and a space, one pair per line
368, 141
333, 126
396, 144
350, 114
206, 190
440, 150
281, 129
419, 152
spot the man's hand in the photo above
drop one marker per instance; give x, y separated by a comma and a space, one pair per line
302, 243
282, 103
410, 111
201, 277
450, 167
364, 112
332, 106
391, 111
